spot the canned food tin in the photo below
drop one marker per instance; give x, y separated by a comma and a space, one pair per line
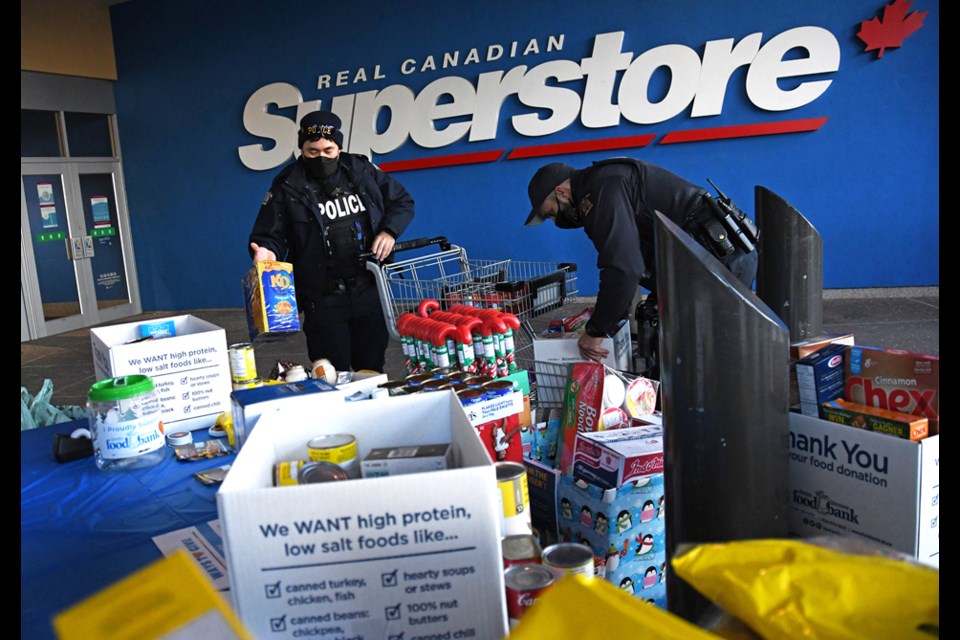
437, 384
247, 384
520, 549
498, 387
478, 381
393, 387
243, 363
338, 448
525, 583
569, 557
471, 396
287, 473
418, 379
514, 499
316, 472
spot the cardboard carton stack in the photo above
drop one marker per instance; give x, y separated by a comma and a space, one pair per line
601, 488
865, 462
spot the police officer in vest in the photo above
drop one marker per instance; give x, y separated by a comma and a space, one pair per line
614, 202
321, 213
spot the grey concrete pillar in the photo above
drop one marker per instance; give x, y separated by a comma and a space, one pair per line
724, 382
790, 273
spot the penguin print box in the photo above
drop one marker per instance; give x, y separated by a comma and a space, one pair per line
625, 527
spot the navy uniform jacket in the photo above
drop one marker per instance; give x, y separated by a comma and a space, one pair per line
289, 222
616, 200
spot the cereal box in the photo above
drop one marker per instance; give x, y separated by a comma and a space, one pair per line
895, 380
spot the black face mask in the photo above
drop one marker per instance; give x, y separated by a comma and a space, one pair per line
567, 217
321, 167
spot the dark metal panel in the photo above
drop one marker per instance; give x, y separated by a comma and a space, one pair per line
52, 92
790, 273
725, 405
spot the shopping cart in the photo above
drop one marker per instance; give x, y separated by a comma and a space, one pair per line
524, 288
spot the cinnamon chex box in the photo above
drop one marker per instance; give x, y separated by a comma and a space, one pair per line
895, 380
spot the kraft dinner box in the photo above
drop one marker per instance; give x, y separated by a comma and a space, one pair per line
270, 300
391, 557
190, 370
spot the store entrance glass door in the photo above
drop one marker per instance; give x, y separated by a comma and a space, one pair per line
76, 266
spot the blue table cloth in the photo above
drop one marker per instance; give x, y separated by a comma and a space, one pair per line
82, 529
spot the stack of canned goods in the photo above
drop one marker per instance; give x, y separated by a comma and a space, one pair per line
529, 572
332, 457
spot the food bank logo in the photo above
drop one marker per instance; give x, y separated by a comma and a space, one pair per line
822, 504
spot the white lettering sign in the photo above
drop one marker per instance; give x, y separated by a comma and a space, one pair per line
452, 108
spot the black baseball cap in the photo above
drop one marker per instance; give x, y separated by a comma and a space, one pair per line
543, 182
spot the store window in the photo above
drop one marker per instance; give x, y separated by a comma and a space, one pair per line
39, 134
88, 135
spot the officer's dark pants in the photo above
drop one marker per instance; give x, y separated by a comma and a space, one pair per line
348, 328
743, 266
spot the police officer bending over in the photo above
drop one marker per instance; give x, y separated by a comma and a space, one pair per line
614, 202
322, 211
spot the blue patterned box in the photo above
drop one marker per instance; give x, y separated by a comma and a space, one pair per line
625, 527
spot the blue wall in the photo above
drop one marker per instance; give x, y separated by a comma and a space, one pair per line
867, 178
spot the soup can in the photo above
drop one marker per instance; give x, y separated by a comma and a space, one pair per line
243, 363
569, 557
525, 583
287, 473
316, 472
520, 549
338, 448
514, 499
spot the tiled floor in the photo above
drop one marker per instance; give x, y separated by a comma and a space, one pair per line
906, 319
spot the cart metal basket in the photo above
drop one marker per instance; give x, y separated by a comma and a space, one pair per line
523, 288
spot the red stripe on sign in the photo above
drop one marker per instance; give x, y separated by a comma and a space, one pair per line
743, 131
441, 161
579, 147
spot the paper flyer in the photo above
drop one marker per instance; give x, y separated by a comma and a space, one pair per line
204, 543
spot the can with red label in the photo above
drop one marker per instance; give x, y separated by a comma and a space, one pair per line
520, 549
569, 557
525, 583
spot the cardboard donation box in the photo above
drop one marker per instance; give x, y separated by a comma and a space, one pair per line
391, 557
624, 526
550, 350
853, 482
190, 369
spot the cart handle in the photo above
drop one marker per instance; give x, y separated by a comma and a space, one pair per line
408, 245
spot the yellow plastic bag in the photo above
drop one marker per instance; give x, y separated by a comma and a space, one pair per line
793, 589
577, 608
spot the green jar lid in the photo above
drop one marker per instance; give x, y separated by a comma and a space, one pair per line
121, 388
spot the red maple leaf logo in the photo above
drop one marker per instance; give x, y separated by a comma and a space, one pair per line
890, 31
